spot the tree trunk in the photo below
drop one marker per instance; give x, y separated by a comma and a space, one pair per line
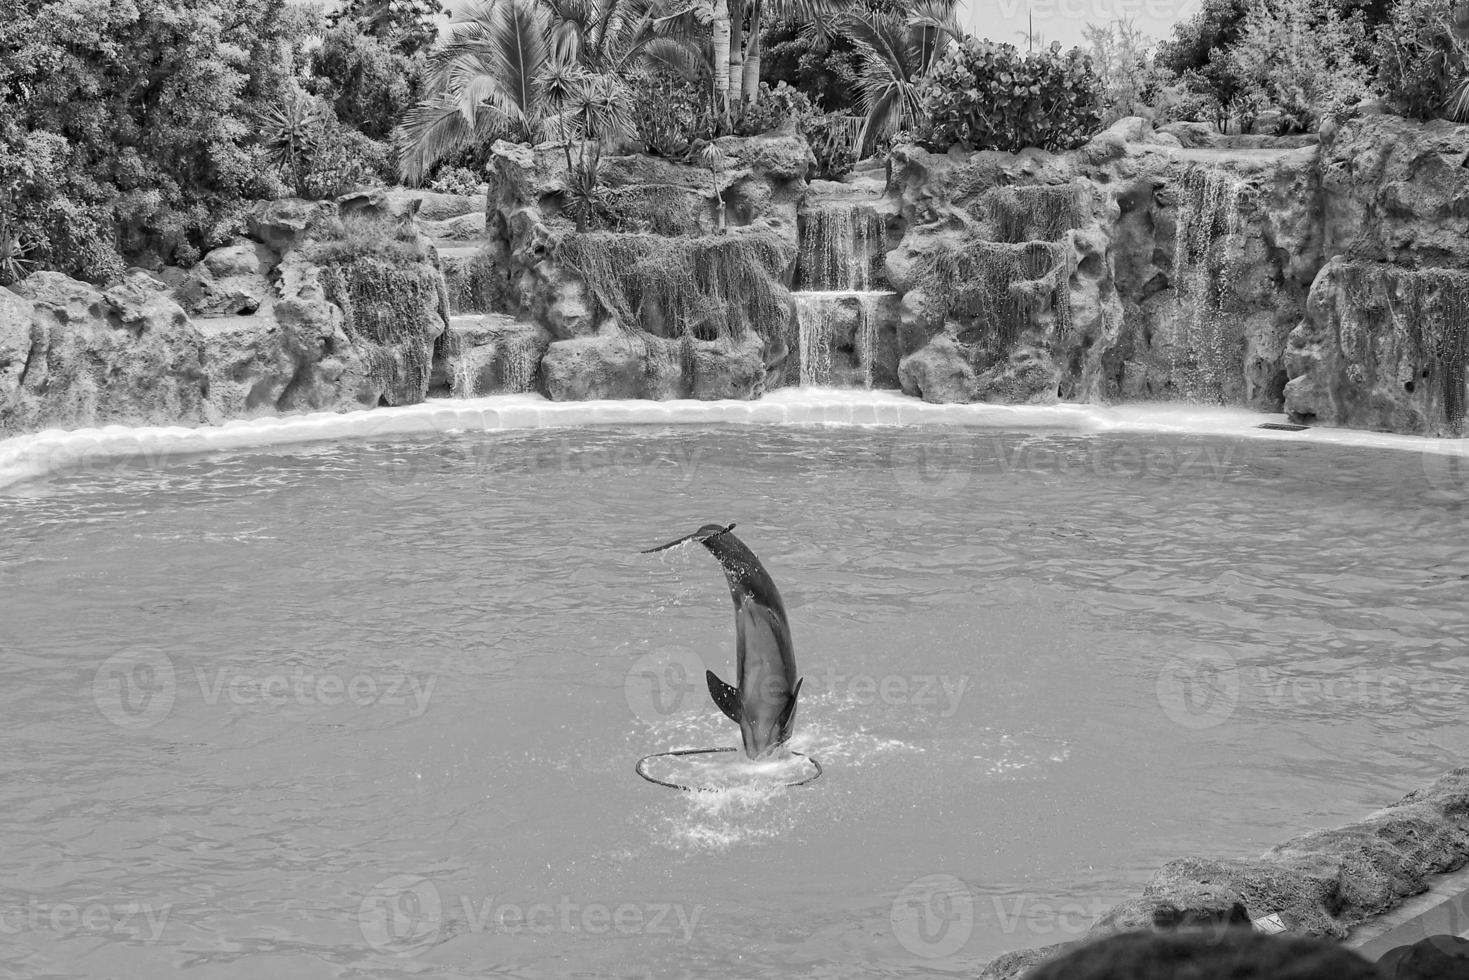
736, 53
752, 56
721, 59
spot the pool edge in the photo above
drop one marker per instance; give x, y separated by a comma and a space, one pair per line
35, 455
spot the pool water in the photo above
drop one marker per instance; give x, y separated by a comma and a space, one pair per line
373, 709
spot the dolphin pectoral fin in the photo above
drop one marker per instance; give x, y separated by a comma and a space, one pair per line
788, 715
725, 696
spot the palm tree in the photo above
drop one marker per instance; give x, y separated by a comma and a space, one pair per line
485, 81
513, 69
820, 17
897, 53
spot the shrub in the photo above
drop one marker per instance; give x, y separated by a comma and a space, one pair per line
1418, 59
367, 84
1123, 59
988, 96
1298, 56
833, 143
455, 180
776, 107
669, 113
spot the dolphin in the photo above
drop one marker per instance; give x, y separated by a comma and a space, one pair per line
763, 702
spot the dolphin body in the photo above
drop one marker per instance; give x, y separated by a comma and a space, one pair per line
763, 703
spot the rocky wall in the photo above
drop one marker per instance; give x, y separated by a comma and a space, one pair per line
653, 297
1320, 884
300, 313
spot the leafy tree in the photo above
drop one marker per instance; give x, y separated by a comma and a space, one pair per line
816, 56
1298, 58
127, 123
404, 27
510, 70
369, 84
1122, 56
1421, 62
898, 53
826, 73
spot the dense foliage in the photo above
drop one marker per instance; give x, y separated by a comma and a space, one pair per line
1300, 61
988, 96
1127, 71
138, 131
125, 126
1420, 63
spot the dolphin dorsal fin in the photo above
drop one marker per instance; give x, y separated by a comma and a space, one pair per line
725, 696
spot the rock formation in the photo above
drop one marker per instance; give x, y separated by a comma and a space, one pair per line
1320, 884
316, 311
1323, 279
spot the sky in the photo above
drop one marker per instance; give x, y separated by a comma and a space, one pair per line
1055, 20
1064, 20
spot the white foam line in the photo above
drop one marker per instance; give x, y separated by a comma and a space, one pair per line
31, 456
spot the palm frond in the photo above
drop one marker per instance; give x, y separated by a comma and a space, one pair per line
437, 128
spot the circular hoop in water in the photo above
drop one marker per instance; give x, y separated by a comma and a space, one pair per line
641, 771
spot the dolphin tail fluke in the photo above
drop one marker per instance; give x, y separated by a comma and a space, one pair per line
725, 696
788, 716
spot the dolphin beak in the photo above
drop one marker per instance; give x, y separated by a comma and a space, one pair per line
702, 534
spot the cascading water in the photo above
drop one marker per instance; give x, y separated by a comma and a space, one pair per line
819, 315
1205, 254
839, 244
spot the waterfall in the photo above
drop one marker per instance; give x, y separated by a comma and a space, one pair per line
518, 366
1206, 240
463, 380
838, 246
837, 307
824, 320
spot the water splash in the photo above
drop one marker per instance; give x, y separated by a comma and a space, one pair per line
1205, 261
820, 316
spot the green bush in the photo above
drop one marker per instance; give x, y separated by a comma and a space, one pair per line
1297, 57
833, 144
829, 134
455, 180
669, 113
367, 84
987, 96
346, 160
1418, 60
775, 108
